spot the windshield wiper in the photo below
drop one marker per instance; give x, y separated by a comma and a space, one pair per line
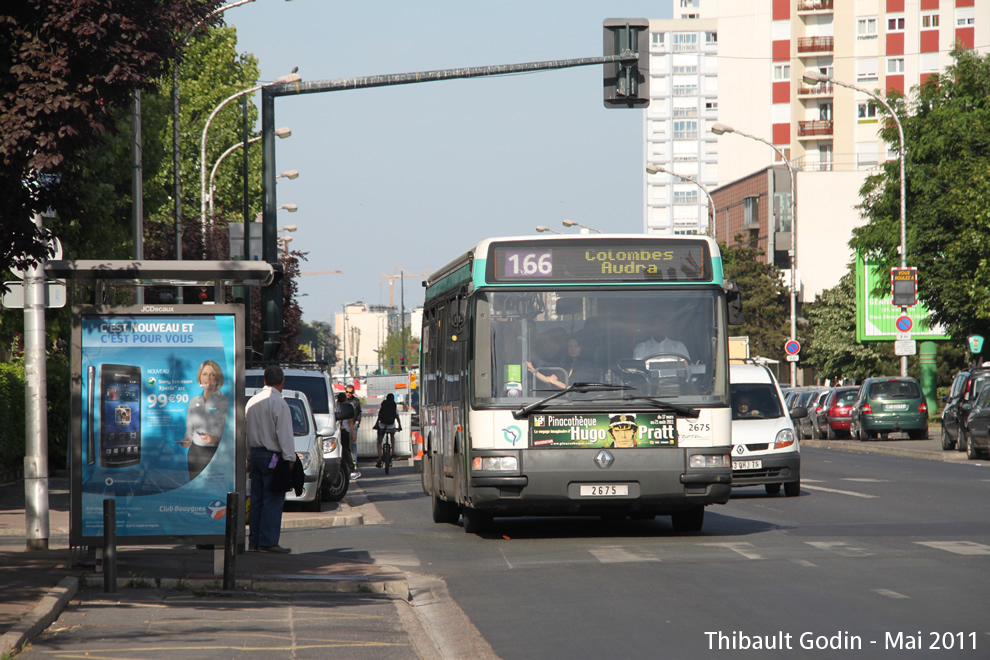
583, 388
683, 411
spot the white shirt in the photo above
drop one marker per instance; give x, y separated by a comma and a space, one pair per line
269, 423
653, 347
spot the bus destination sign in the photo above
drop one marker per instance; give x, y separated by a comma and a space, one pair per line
584, 260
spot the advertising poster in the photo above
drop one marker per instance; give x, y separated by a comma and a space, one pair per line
157, 423
593, 430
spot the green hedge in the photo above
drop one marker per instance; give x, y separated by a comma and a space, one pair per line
12, 414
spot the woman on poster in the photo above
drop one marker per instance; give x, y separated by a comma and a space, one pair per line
206, 418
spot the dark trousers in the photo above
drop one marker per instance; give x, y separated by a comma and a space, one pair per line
266, 505
346, 452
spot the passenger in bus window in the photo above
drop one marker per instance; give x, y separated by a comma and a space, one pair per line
660, 342
575, 366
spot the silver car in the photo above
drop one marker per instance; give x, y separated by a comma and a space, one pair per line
310, 447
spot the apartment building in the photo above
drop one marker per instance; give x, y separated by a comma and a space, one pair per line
741, 63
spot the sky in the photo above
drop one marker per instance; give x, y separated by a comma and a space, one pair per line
401, 180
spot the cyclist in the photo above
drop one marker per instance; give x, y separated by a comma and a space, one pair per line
387, 422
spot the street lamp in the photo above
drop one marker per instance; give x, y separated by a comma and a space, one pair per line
571, 223
283, 132
291, 208
812, 76
720, 129
292, 77
176, 168
656, 169
288, 174
541, 229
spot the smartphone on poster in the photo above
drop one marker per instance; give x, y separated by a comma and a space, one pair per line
120, 411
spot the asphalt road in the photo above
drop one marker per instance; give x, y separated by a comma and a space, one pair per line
880, 557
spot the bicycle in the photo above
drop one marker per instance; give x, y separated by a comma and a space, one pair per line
387, 439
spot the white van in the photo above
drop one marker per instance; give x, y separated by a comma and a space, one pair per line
765, 448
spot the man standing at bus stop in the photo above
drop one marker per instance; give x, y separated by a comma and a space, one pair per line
269, 437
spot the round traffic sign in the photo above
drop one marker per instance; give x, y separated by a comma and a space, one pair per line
792, 347
904, 323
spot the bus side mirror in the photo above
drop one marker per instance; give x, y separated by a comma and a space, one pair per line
458, 318
733, 296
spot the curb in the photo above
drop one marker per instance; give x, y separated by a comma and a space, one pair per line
43, 615
879, 448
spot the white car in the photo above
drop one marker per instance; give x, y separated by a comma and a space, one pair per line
765, 448
313, 379
310, 442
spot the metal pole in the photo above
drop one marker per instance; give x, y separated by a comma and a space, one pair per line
137, 189
271, 302
109, 546
230, 542
248, 350
36, 407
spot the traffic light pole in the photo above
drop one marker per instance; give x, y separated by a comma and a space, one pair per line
272, 296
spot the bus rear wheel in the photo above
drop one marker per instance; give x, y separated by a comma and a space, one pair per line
688, 521
445, 511
475, 521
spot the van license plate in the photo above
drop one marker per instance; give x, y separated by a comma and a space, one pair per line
747, 465
604, 490
895, 406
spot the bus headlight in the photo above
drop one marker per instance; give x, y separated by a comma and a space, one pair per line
709, 461
495, 463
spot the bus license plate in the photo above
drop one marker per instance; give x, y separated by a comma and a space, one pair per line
747, 465
604, 490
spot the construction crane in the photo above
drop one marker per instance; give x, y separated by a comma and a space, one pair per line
391, 281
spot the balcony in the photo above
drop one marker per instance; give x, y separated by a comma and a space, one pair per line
814, 6
819, 90
817, 45
814, 129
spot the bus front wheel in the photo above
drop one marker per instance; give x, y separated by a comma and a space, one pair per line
688, 521
445, 511
475, 521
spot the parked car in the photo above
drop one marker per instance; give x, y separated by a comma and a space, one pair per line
835, 413
765, 447
966, 386
978, 427
313, 379
805, 426
309, 442
889, 405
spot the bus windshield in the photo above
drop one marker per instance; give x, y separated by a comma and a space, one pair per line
658, 343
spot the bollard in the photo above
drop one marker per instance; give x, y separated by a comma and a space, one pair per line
109, 546
230, 543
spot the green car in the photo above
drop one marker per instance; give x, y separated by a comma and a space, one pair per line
889, 405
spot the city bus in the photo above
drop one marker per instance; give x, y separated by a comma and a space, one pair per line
639, 428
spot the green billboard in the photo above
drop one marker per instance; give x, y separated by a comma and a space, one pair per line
876, 316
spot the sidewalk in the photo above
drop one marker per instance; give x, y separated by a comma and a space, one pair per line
37, 585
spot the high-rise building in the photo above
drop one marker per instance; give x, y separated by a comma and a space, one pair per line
742, 62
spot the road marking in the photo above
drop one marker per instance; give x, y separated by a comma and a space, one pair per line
866, 480
805, 563
958, 547
888, 593
741, 548
395, 558
616, 554
804, 484
839, 548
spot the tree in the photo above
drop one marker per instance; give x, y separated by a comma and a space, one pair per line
319, 334
832, 349
948, 196
390, 352
765, 303
67, 67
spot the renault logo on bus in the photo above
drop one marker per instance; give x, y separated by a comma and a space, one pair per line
603, 459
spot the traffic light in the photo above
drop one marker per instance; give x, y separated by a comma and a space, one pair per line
627, 84
402, 364
160, 295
